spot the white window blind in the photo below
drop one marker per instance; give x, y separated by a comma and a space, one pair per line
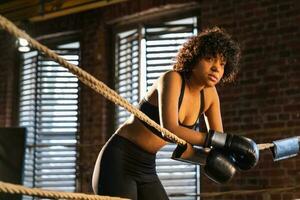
127, 70
143, 61
49, 111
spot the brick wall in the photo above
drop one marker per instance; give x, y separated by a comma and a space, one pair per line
264, 101
8, 80
262, 104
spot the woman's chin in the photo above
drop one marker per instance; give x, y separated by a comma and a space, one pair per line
211, 84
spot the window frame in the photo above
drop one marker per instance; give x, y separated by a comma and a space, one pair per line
152, 22
53, 41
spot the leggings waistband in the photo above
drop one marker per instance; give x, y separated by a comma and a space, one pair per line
131, 148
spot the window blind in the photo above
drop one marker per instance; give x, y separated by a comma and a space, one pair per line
142, 55
49, 111
162, 44
127, 70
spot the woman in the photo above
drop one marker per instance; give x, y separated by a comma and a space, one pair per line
126, 164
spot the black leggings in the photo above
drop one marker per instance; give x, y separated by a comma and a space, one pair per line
128, 171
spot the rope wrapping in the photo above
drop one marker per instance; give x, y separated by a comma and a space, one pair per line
265, 146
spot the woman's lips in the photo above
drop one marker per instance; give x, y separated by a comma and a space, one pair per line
213, 78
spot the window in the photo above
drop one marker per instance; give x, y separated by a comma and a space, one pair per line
49, 111
142, 55
127, 70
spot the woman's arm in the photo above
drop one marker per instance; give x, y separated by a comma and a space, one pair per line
169, 87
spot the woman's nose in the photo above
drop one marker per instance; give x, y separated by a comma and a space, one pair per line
214, 68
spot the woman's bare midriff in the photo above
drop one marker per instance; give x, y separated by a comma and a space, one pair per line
137, 133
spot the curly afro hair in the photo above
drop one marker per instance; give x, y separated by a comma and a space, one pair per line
209, 43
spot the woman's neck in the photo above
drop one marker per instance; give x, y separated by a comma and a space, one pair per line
194, 86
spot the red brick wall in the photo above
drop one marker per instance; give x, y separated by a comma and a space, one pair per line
262, 104
264, 101
96, 125
8, 80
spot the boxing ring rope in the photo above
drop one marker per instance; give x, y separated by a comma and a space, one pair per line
110, 94
95, 84
18, 189
241, 192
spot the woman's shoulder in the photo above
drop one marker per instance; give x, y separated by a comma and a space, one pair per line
169, 79
211, 90
172, 76
211, 94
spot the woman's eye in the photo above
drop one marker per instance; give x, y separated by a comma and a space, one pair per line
210, 59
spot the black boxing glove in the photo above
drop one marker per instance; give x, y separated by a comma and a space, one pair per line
244, 150
219, 166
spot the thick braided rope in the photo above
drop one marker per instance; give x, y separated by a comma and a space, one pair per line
89, 80
18, 189
240, 192
95, 84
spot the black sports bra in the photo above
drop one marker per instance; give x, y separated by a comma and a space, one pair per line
153, 113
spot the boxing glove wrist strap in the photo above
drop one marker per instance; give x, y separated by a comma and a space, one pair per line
216, 139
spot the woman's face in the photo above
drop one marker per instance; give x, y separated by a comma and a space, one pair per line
209, 70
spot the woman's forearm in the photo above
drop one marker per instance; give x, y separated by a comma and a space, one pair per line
191, 136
